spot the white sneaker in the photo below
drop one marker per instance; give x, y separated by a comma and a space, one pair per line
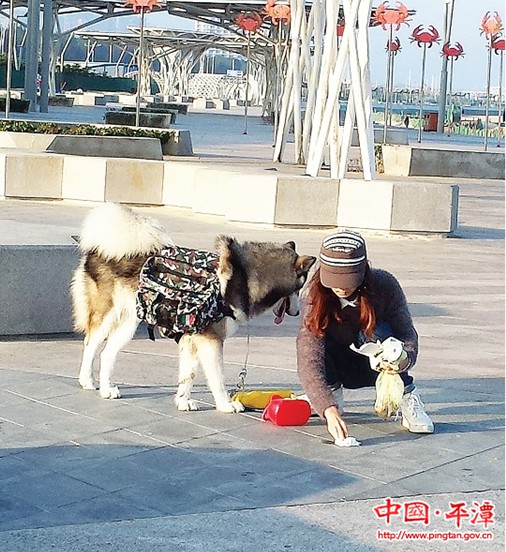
414, 417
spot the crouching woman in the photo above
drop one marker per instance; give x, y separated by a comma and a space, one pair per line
349, 302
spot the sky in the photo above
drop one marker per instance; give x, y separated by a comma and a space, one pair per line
470, 72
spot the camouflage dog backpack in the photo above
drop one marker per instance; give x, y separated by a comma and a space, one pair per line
179, 292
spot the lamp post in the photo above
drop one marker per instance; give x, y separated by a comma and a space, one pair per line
249, 22
386, 16
498, 45
10, 48
451, 53
280, 15
491, 27
447, 31
425, 39
140, 6
393, 47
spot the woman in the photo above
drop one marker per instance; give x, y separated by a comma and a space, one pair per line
350, 303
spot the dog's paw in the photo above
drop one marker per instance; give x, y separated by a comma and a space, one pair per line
230, 407
110, 393
185, 404
88, 384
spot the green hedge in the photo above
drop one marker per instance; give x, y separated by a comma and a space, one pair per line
88, 130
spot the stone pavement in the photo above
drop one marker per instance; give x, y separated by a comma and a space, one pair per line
81, 473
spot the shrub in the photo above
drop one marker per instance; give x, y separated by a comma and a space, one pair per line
88, 130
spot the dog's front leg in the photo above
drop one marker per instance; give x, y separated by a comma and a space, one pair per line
210, 354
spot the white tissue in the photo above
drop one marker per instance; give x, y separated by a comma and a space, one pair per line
348, 442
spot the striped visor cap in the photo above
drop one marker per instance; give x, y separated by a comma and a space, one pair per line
343, 258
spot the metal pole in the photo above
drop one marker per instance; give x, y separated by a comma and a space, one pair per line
392, 70
47, 34
9, 60
32, 53
449, 9
422, 84
499, 107
140, 63
450, 98
247, 85
487, 104
387, 91
278, 79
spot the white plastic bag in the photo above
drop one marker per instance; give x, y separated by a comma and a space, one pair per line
389, 392
389, 352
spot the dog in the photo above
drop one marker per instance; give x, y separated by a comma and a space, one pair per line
115, 242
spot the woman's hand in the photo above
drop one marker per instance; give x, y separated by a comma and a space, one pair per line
400, 365
335, 423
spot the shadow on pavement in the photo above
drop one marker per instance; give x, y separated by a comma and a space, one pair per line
61, 485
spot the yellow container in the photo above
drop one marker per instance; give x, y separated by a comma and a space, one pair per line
258, 400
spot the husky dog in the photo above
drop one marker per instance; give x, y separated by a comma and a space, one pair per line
115, 243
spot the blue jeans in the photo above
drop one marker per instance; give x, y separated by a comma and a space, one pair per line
352, 370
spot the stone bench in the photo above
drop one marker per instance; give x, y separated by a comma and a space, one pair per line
203, 103
30, 175
178, 144
34, 290
106, 146
394, 136
271, 198
152, 109
253, 196
87, 98
211, 103
60, 100
401, 160
222, 104
181, 108
117, 180
146, 119
45, 176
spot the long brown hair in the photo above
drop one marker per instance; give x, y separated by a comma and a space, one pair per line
324, 306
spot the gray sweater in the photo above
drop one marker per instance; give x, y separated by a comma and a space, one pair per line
390, 306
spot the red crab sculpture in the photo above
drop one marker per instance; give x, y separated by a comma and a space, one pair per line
428, 37
384, 15
249, 21
491, 24
278, 11
145, 5
497, 44
454, 52
394, 46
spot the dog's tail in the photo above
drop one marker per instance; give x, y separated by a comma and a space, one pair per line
115, 231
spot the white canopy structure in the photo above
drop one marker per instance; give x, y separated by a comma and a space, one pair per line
305, 60
320, 58
177, 53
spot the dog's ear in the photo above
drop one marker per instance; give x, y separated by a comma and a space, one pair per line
303, 263
223, 243
224, 247
291, 245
